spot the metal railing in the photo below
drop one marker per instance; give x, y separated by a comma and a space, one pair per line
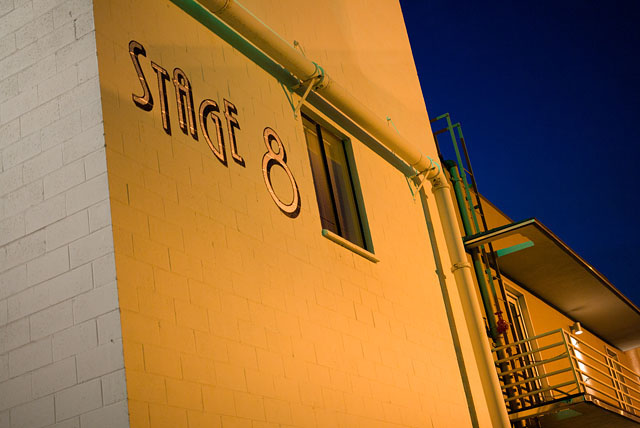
558, 365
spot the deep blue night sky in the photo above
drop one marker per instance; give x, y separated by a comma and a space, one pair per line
548, 94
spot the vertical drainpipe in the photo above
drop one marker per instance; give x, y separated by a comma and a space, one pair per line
482, 285
473, 314
462, 366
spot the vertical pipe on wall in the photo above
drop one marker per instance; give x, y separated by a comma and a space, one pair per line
462, 272
453, 327
466, 290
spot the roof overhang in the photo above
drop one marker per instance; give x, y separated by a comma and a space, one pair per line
536, 259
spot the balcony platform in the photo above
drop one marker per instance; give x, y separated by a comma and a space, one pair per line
565, 382
584, 411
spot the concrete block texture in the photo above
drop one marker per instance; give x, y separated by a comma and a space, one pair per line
34, 414
54, 377
61, 358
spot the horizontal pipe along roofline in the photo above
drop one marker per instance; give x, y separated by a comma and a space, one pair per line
252, 28
282, 75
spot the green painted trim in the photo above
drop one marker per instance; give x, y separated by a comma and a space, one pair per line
206, 18
495, 233
514, 248
566, 414
358, 195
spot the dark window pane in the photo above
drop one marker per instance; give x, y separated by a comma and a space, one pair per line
320, 179
517, 321
342, 189
332, 180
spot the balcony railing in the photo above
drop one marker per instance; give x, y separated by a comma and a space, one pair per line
557, 366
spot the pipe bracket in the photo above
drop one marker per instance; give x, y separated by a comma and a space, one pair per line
318, 77
425, 174
314, 82
433, 166
422, 179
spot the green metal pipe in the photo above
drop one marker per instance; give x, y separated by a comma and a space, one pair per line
469, 230
472, 210
464, 174
492, 285
475, 253
503, 292
484, 293
467, 194
455, 178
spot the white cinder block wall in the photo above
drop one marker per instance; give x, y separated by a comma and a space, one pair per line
60, 337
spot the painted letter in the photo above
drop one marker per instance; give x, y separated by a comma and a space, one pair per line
207, 108
184, 96
145, 102
163, 76
232, 124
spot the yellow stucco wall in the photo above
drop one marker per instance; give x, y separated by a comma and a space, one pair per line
633, 357
234, 314
544, 318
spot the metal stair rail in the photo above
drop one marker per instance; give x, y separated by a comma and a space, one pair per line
473, 206
556, 366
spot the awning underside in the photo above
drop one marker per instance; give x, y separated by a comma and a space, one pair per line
557, 275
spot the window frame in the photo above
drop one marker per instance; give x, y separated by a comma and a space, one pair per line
353, 177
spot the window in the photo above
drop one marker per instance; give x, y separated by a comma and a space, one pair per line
336, 184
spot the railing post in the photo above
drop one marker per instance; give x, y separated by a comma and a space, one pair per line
579, 383
615, 381
513, 406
